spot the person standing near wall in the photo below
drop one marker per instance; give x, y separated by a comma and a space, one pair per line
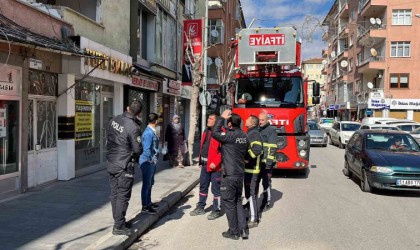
175, 142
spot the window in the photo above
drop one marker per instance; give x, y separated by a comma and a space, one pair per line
399, 80
359, 59
401, 17
400, 49
351, 39
216, 31
310, 66
350, 64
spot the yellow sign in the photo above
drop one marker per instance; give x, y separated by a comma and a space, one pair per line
84, 120
111, 64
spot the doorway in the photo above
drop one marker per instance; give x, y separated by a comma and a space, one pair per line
9, 137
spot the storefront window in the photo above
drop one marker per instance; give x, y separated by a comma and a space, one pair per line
87, 124
9, 136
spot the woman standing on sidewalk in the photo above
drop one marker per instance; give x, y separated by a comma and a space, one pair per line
148, 162
175, 142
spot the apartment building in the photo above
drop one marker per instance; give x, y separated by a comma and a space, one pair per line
225, 19
312, 71
372, 59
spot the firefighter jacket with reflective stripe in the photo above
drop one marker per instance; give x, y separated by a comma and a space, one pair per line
269, 137
255, 151
123, 141
234, 147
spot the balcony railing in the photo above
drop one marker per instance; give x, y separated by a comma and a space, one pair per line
371, 59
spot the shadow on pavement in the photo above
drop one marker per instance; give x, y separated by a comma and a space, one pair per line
293, 174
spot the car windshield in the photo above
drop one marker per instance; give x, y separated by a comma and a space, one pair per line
313, 126
326, 120
269, 92
349, 126
393, 142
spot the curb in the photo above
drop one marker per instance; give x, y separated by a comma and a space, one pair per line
142, 222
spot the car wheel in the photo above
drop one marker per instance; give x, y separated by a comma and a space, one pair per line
346, 169
325, 145
339, 143
364, 183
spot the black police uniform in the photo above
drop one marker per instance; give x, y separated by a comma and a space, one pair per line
252, 170
124, 148
234, 147
269, 136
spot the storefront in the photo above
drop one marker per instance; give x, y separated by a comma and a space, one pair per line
91, 93
10, 128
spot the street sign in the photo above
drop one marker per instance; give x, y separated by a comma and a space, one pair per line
369, 112
331, 107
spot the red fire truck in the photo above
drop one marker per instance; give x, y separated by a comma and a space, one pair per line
268, 79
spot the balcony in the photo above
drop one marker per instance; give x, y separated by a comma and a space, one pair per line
373, 35
214, 4
369, 8
344, 11
371, 65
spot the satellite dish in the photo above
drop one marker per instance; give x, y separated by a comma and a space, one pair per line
214, 33
344, 64
324, 62
372, 20
218, 62
209, 61
333, 54
373, 52
370, 85
378, 21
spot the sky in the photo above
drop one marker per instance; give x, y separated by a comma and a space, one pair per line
305, 15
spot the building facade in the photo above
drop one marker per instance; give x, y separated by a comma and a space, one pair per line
372, 59
312, 71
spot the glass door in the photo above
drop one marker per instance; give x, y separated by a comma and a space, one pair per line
9, 136
106, 116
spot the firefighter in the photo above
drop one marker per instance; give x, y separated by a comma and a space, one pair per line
210, 160
269, 136
124, 148
252, 169
234, 147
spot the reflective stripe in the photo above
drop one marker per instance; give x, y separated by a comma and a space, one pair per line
252, 171
251, 153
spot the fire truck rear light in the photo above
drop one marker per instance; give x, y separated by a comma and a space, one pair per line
302, 153
297, 164
302, 143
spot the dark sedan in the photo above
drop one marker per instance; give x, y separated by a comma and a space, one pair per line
383, 159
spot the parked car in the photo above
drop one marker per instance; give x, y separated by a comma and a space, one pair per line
373, 120
317, 134
326, 123
372, 156
407, 127
416, 134
341, 132
394, 121
380, 126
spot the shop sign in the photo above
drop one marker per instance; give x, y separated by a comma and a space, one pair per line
35, 64
145, 83
84, 120
405, 104
186, 92
378, 103
111, 64
10, 80
193, 32
172, 87
376, 95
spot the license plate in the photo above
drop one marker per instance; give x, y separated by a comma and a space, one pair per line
412, 183
316, 140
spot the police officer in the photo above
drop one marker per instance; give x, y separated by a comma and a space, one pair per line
252, 169
234, 147
124, 148
269, 136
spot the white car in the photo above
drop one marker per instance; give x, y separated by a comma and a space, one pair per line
379, 126
393, 122
341, 132
407, 127
373, 120
326, 123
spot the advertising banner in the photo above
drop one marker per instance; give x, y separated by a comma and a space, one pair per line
84, 120
193, 45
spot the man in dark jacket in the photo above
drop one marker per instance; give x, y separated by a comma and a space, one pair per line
124, 148
252, 169
269, 136
210, 160
234, 147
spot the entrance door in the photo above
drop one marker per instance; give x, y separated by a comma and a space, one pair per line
107, 112
9, 137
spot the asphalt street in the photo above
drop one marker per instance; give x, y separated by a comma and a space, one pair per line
323, 210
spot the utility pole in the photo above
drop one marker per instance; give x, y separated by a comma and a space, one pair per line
205, 40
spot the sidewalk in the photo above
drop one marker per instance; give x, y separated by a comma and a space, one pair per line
76, 214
